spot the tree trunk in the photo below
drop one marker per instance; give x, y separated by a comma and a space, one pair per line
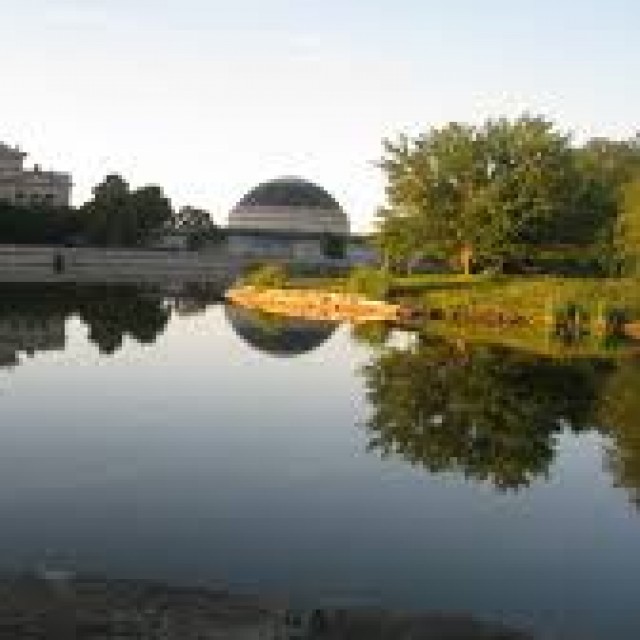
466, 259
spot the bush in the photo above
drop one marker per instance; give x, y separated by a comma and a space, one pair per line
372, 283
266, 276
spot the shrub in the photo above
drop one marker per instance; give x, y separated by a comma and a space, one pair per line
266, 276
372, 283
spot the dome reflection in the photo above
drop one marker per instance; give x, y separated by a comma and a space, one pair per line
278, 336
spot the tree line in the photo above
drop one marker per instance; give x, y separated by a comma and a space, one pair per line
508, 192
116, 215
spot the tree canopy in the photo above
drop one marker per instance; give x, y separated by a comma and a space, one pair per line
498, 191
118, 216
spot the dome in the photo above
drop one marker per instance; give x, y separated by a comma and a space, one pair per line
289, 205
289, 192
278, 336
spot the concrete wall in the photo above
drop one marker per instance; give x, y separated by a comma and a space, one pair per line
96, 264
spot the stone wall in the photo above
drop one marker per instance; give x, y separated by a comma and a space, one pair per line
75, 263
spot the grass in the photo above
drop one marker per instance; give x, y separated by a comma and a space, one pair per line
530, 297
467, 307
534, 340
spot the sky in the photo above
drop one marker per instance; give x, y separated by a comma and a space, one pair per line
210, 97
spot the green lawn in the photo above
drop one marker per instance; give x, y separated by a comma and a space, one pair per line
530, 297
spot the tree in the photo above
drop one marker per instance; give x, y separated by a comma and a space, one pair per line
198, 224
38, 223
151, 209
110, 217
398, 239
491, 192
117, 216
604, 214
628, 229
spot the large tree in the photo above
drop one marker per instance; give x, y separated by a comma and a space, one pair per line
118, 216
110, 218
152, 210
490, 192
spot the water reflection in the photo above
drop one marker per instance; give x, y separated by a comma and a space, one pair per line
494, 414
282, 337
251, 469
619, 411
32, 318
488, 412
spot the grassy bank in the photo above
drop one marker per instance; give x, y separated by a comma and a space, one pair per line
530, 298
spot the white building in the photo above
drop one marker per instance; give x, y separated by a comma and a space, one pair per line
29, 186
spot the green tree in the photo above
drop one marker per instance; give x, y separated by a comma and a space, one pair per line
398, 239
492, 192
117, 216
151, 209
37, 224
109, 215
627, 233
604, 213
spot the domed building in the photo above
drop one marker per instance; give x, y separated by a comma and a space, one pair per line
290, 205
290, 219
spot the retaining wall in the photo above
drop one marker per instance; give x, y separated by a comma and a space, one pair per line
69, 263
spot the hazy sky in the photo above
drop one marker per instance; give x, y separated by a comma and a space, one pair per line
209, 97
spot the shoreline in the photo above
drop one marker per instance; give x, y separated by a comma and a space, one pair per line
50, 603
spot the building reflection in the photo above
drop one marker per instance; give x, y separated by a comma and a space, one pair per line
278, 336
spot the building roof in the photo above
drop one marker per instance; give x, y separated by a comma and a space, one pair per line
5, 149
289, 192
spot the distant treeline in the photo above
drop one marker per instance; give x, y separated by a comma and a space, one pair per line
116, 215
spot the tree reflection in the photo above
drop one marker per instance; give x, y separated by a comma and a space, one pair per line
490, 413
122, 311
618, 412
32, 317
373, 334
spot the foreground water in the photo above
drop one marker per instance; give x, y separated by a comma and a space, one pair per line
155, 437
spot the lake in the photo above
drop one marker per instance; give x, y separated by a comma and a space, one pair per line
163, 435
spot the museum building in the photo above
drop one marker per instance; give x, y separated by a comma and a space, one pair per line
290, 219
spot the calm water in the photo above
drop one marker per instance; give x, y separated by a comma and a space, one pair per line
145, 436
